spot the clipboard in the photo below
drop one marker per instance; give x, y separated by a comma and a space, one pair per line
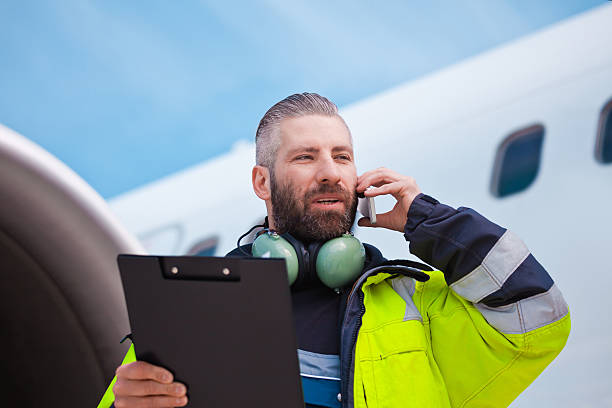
222, 326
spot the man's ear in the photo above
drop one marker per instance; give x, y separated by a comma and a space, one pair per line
261, 182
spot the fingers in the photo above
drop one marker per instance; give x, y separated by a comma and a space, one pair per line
150, 402
377, 178
140, 384
141, 388
140, 370
387, 182
391, 188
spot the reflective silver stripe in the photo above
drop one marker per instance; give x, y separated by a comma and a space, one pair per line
505, 257
405, 286
527, 314
315, 365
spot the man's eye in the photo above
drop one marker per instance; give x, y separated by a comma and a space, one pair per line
304, 157
344, 157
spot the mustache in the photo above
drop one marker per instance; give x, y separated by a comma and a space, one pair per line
329, 189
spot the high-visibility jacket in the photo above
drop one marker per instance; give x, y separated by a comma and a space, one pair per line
422, 345
475, 335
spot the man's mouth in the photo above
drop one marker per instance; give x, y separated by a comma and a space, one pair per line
329, 202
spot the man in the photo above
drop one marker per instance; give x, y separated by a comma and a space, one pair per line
474, 333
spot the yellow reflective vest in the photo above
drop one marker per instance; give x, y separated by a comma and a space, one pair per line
422, 345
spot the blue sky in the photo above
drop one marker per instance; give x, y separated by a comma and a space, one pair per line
128, 92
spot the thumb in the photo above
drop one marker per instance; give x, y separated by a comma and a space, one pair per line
365, 222
384, 220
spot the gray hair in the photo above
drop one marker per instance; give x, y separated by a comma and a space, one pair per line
267, 137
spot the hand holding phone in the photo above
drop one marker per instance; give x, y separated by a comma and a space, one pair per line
387, 182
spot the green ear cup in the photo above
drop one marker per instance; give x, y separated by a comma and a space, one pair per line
272, 245
340, 261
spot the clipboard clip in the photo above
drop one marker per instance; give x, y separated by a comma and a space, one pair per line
191, 269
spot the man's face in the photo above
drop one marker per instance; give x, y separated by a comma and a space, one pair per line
314, 178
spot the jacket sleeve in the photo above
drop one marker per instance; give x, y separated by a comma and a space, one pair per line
496, 318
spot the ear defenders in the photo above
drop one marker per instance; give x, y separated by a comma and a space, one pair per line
337, 262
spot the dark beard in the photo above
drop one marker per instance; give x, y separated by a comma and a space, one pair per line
310, 225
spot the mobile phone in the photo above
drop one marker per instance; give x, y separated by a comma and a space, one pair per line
367, 207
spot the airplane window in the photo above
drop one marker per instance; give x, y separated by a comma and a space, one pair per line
603, 147
206, 247
517, 161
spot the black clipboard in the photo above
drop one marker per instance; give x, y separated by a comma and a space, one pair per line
222, 326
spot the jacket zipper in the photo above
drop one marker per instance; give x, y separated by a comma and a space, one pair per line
344, 390
357, 287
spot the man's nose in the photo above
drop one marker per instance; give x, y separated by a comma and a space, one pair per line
328, 172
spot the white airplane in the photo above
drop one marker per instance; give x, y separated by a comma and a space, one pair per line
521, 133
